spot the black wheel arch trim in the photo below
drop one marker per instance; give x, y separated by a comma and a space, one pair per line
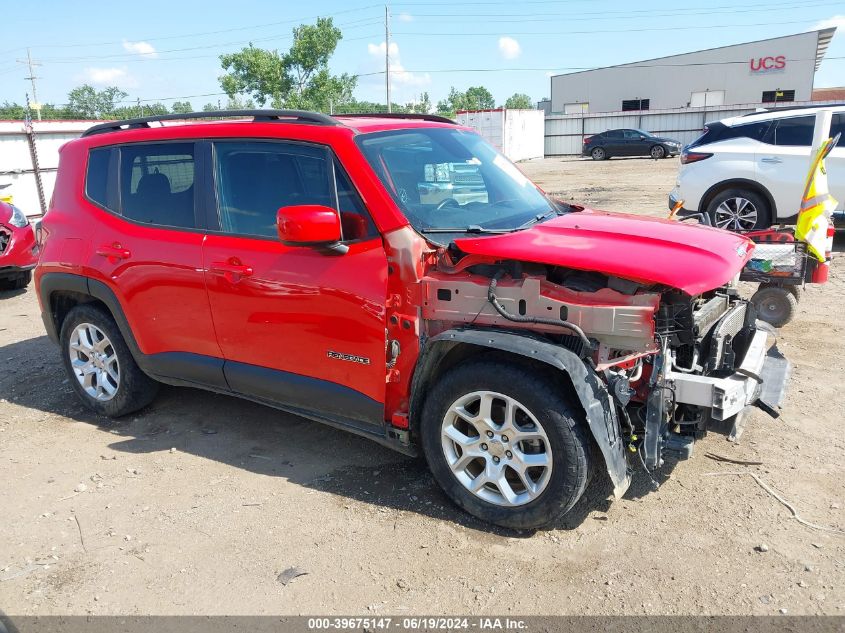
714, 191
55, 282
598, 406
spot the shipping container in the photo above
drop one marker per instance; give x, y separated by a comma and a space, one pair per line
518, 134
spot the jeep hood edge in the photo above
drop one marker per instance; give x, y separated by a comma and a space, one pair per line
691, 258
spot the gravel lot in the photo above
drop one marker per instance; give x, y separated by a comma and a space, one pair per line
198, 503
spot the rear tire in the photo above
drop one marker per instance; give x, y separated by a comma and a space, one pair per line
16, 282
598, 153
100, 366
775, 305
740, 211
525, 405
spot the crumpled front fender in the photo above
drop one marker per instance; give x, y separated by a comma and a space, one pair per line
593, 396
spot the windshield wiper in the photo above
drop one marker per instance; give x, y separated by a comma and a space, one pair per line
472, 228
539, 218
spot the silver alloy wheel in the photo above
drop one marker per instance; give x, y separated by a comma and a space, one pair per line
598, 153
736, 214
94, 362
657, 151
496, 448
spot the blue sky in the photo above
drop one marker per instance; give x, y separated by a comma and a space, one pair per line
162, 51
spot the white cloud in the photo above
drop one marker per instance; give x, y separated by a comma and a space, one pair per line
837, 20
109, 77
145, 49
405, 17
509, 48
398, 75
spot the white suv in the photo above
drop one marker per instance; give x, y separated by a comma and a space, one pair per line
748, 172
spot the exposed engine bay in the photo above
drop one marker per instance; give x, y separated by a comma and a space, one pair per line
674, 365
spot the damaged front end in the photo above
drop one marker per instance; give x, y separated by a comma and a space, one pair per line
654, 368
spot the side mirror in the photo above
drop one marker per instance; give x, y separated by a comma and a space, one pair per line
309, 225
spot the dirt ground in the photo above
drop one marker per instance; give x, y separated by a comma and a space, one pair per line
198, 503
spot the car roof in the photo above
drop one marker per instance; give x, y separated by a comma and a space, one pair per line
780, 113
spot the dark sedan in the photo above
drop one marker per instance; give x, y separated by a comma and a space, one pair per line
629, 143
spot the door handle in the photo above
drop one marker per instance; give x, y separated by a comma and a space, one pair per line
114, 252
232, 270
774, 160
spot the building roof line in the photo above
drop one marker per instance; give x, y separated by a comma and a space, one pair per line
824, 37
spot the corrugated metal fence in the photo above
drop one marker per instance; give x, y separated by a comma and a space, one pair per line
565, 132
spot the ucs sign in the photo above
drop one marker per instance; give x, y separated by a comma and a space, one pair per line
762, 64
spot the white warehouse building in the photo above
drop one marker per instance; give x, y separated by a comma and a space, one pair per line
775, 70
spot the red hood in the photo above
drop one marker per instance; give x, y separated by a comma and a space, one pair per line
688, 257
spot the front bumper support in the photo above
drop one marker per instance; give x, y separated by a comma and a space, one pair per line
762, 375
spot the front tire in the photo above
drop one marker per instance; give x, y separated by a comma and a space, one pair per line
505, 444
100, 366
739, 210
657, 152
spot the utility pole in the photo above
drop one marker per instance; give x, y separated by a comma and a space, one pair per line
29, 63
387, 55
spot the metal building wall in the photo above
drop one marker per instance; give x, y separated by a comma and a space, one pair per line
668, 82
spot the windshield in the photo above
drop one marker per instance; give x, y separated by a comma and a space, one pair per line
450, 180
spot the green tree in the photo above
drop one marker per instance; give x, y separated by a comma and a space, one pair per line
478, 98
423, 106
210, 107
12, 111
257, 72
299, 78
475, 98
181, 107
519, 101
85, 102
356, 107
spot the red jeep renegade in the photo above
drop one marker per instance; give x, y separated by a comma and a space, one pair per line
398, 277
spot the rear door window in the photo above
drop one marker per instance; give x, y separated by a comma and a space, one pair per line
157, 184
792, 132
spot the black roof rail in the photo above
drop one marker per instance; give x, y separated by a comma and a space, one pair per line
399, 115
258, 116
798, 107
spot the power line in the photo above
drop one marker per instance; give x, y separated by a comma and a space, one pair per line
582, 68
496, 18
786, 4
199, 33
134, 56
604, 31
